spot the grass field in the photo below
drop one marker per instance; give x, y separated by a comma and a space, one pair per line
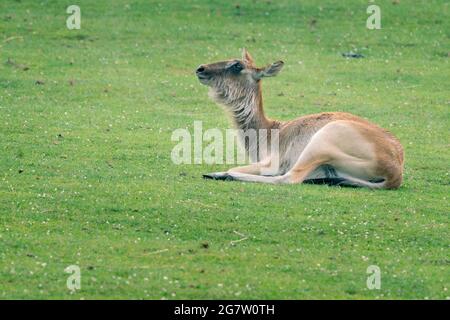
86, 176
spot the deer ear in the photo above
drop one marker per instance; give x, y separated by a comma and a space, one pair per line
246, 57
270, 71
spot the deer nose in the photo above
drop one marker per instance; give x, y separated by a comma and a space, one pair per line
200, 69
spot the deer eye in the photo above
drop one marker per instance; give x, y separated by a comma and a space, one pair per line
236, 67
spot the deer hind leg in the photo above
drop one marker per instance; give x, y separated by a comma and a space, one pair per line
313, 156
340, 145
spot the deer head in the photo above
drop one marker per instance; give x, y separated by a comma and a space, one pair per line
236, 84
235, 74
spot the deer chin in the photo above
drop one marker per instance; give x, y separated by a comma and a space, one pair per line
205, 80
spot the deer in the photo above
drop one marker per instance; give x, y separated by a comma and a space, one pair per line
335, 148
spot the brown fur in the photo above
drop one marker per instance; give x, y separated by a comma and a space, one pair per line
359, 149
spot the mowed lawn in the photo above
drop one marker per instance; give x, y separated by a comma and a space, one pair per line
86, 177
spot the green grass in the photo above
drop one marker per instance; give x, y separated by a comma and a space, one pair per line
86, 176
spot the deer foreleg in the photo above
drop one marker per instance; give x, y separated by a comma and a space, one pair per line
255, 169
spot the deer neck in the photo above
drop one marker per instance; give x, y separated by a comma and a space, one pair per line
246, 107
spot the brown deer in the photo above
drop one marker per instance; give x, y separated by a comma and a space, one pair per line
333, 147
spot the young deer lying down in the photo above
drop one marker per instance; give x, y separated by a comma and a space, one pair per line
333, 147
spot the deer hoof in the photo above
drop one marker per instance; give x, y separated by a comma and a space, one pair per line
218, 176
